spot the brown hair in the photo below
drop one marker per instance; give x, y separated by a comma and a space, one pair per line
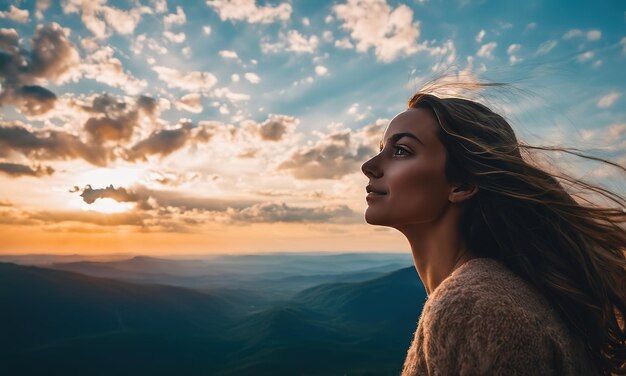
573, 252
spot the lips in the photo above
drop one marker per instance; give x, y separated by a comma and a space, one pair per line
373, 190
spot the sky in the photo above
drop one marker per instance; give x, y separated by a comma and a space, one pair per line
168, 127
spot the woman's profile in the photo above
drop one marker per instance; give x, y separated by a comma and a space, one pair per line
521, 277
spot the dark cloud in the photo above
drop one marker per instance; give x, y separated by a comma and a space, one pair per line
16, 170
166, 141
281, 212
52, 58
330, 158
90, 195
114, 119
50, 144
276, 126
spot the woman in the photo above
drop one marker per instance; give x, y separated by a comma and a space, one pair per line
521, 278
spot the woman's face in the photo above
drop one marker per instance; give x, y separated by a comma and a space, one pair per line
410, 173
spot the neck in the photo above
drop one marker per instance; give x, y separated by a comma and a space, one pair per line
437, 248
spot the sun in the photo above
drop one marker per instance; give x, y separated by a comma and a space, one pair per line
98, 178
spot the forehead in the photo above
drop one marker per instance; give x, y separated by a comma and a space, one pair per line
418, 121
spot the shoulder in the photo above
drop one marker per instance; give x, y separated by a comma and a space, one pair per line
476, 321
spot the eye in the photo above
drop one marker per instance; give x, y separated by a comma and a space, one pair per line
396, 148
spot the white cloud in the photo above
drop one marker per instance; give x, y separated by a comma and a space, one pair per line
235, 78
206, 30
96, 16
178, 18
174, 37
594, 35
306, 22
293, 41
591, 35
623, 43
192, 81
226, 93
585, 56
40, 7
227, 54
190, 102
321, 70
101, 66
374, 24
511, 51
327, 36
480, 36
186, 51
344, 44
15, 14
247, 10
486, 50
160, 6
609, 99
252, 78
546, 47
572, 34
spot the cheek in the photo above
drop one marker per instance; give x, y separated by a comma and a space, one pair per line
416, 194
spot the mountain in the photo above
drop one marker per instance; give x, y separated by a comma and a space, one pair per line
60, 322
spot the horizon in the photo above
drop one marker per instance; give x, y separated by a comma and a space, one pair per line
159, 127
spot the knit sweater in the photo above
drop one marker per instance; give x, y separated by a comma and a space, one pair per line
483, 319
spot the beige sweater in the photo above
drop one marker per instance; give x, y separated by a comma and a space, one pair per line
483, 319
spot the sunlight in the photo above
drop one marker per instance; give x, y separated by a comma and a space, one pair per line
118, 176
107, 205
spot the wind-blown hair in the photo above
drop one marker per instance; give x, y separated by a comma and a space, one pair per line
572, 252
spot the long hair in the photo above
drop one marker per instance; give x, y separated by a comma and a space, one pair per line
573, 252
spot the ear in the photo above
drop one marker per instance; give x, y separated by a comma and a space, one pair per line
462, 192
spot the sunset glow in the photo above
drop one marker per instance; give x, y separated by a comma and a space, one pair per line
163, 126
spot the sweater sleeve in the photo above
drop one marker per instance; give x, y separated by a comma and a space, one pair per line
486, 338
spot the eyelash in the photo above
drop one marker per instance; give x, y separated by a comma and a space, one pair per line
399, 148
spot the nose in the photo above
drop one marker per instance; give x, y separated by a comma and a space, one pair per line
371, 168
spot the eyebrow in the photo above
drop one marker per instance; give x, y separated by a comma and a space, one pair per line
398, 136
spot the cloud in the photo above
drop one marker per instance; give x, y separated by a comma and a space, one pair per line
120, 194
331, 157
192, 81
227, 54
174, 37
591, 35
115, 120
40, 7
546, 47
270, 212
480, 36
344, 44
102, 67
511, 51
190, 102
247, 10
321, 70
486, 50
172, 19
252, 78
17, 170
293, 41
585, 56
96, 16
15, 14
374, 24
30, 99
166, 141
49, 144
274, 128
609, 99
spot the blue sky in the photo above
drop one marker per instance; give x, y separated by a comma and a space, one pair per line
186, 118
